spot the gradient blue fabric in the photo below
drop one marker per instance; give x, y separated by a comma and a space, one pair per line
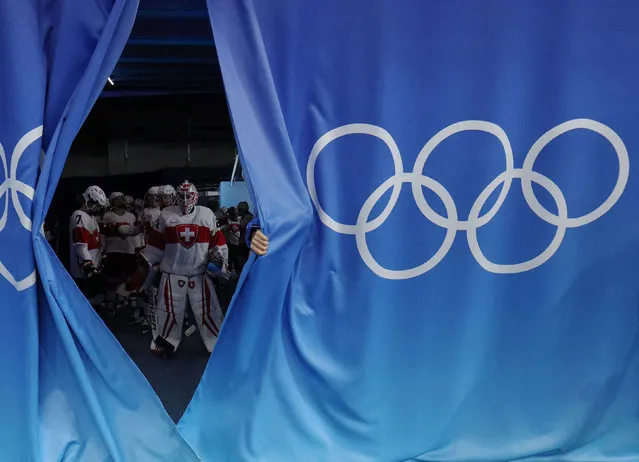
69, 391
450, 188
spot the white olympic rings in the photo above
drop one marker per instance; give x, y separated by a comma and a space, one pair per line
451, 223
11, 187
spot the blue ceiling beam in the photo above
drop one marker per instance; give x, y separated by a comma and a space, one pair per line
165, 41
168, 60
177, 14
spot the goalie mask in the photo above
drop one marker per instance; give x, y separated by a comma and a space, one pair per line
94, 199
187, 197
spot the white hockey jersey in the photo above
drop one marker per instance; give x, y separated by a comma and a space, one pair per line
150, 218
119, 231
84, 238
233, 232
184, 241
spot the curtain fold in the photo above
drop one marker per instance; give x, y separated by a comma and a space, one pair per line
229, 388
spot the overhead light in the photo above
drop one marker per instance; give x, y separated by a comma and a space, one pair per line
110, 80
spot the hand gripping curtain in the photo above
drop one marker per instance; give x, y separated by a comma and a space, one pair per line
69, 392
450, 190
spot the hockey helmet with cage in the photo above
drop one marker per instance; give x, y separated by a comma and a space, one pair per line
94, 198
187, 196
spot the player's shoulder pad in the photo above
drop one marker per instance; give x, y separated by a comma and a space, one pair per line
170, 210
205, 211
167, 212
206, 214
79, 217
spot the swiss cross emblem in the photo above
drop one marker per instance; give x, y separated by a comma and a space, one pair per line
187, 234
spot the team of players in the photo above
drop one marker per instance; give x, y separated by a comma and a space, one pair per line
169, 238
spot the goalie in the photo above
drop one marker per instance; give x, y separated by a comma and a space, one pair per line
186, 246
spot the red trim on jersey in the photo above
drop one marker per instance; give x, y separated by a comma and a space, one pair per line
155, 239
203, 235
170, 309
207, 319
81, 235
218, 239
111, 229
167, 305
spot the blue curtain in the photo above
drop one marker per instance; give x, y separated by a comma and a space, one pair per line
69, 392
450, 188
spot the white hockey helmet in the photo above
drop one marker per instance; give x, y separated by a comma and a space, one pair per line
187, 196
117, 200
94, 198
167, 195
152, 196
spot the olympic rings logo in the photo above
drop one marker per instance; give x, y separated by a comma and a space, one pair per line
451, 222
13, 186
